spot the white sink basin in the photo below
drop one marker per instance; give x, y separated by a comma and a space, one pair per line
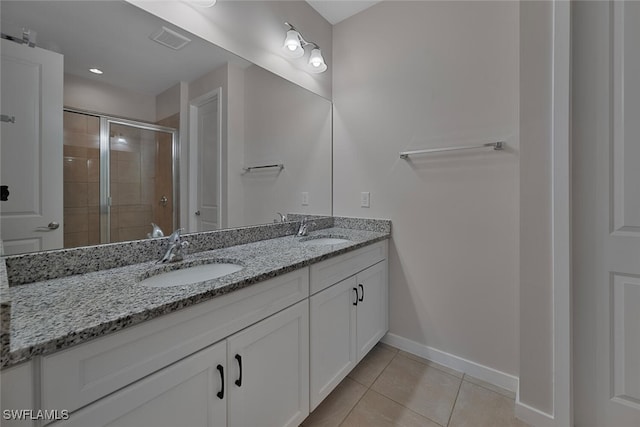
325, 241
190, 275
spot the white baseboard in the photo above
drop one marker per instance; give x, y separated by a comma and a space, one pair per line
526, 413
490, 375
533, 416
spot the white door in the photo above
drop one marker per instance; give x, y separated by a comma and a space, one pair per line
191, 392
269, 371
205, 215
606, 213
372, 309
31, 149
332, 338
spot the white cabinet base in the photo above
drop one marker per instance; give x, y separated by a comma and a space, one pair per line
347, 320
269, 371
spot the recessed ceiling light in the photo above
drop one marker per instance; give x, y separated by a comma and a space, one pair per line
95, 70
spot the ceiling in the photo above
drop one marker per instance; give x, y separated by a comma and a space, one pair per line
113, 36
335, 11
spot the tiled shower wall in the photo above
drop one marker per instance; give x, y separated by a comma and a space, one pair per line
81, 180
141, 174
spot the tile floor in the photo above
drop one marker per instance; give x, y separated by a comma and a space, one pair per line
394, 388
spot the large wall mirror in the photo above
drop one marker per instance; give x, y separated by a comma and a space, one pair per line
174, 131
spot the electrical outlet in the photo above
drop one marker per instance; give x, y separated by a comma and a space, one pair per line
365, 199
305, 198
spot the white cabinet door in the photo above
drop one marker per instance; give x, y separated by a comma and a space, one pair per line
190, 392
372, 309
332, 338
269, 371
17, 393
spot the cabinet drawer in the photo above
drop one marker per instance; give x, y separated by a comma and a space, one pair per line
333, 270
183, 394
80, 375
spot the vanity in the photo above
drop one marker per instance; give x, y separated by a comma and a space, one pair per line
261, 346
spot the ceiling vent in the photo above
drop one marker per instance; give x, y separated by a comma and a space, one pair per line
169, 38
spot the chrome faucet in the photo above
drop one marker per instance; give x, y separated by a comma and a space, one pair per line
283, 217
175, 250
303, 228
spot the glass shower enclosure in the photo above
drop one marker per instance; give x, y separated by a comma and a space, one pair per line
120, 176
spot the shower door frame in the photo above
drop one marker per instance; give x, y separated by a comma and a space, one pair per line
105, 166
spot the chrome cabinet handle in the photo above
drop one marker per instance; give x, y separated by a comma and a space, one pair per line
197, 213
164, 200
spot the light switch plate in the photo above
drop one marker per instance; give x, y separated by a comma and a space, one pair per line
365, 197
305, 198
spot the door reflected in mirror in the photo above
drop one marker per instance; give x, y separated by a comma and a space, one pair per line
227, 115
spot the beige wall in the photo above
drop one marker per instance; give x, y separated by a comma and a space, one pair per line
255, 30
168, 102
285, 124
235, 149
536, 262
411, 75
90, 95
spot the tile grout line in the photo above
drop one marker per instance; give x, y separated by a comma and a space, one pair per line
367, 390
488, 389
384, 369
353, 407
370, 388
429, 365
455, 402
434, 365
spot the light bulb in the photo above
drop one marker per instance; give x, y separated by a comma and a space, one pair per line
317, 61
292, 47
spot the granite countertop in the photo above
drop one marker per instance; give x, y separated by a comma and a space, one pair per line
50, 315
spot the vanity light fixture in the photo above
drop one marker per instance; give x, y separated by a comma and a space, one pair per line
293, 47
96, 71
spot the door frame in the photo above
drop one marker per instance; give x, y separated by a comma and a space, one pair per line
561, 219
560, 286
194, 110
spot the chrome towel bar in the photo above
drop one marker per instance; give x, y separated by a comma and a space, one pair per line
280, 166
496, 146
